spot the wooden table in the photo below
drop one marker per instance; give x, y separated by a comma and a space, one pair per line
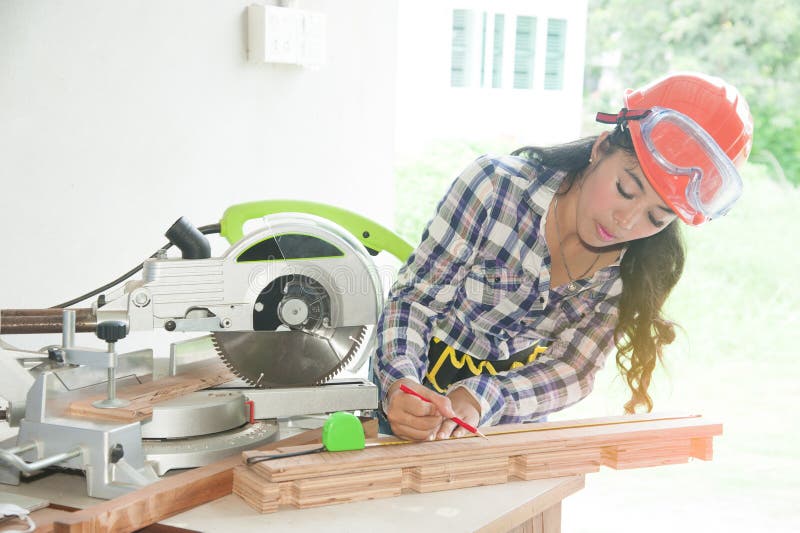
521, 506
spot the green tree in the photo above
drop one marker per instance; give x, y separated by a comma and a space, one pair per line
754, 45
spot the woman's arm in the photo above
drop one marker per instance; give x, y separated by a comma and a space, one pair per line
560, 377
427, 284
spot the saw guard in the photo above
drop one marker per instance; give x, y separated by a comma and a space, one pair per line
288, 354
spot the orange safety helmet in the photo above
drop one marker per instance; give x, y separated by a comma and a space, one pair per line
690, 133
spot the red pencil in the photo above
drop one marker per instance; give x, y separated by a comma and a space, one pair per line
468, 427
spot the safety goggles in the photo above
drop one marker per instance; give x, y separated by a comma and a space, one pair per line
694, 172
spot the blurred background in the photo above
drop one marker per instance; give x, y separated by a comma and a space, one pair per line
116, 118
735, 359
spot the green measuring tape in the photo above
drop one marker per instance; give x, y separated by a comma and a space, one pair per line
342, 432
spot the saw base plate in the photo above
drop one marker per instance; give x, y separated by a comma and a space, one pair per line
166, 455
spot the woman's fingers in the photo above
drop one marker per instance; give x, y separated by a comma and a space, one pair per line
424, 422
405, 388
466, 408
443, 405
414, 406
413, 427
412, 433
446, 430
419, 413
412, 417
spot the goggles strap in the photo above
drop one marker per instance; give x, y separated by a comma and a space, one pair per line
621, 119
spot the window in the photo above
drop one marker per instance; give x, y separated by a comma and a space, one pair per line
470, 54
460, 50
482, 52
497, 56
483, 48
554, 60
524, 52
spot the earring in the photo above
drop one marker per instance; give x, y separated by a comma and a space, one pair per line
590, 160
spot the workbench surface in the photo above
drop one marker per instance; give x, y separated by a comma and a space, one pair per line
488, 508
495, 508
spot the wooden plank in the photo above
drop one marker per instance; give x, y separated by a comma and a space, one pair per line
555, 464
250, 487
703, 448
173, 494
499, 445
193, 377
328, 490
153, 503
565, 449
305, 493
432, 478
639, 455
586, 422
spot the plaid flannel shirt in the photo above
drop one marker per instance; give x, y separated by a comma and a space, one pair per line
480, 281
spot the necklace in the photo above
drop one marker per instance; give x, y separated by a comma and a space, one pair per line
572, 285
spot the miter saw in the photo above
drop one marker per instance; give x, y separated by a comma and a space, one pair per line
287, 306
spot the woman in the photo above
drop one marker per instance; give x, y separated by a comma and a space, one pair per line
537, 264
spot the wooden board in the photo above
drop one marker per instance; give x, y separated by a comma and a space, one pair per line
249, 488
171, 495
703, 449
193, 377
638, 455
314, 492
448, 476
500, 444
511, 452
556, 464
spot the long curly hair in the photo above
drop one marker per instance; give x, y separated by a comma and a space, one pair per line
649, 269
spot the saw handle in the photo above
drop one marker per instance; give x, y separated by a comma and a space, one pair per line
371, 234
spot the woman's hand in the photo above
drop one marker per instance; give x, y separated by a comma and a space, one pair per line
412, 418
467, 408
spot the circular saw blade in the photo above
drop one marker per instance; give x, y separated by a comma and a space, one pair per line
268, 359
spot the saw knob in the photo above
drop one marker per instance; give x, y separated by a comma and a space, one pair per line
112, 330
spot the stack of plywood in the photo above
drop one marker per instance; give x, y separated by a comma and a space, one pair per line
514, 452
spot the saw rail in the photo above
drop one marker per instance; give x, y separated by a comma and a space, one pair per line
32, 321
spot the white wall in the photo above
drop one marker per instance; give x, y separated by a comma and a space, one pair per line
118, 117
429, 108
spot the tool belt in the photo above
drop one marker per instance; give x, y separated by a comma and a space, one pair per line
446, 365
